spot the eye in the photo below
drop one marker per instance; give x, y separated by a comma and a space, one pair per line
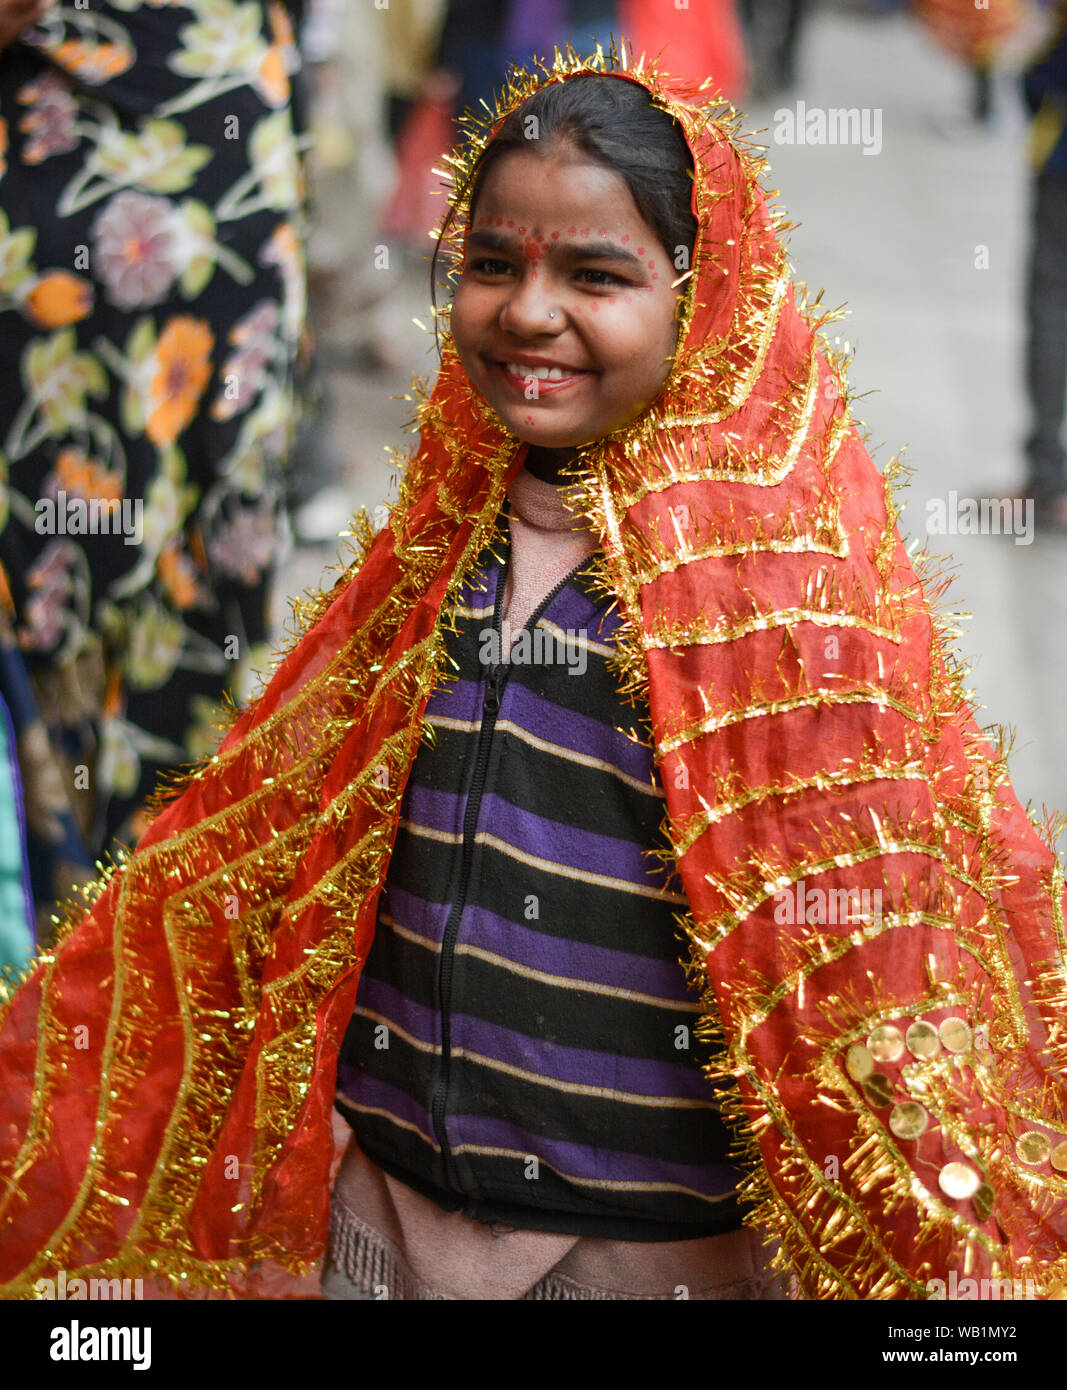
490, 265
591, 275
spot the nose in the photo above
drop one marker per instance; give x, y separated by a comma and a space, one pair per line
531, 310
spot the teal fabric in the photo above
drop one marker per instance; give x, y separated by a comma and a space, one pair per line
16, 932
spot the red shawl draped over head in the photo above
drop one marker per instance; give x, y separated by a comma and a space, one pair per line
876, 924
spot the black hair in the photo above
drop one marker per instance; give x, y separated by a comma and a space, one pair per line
613, 122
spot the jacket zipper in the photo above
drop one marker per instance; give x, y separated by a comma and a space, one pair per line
495, 679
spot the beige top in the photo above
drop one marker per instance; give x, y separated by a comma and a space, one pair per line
548, 540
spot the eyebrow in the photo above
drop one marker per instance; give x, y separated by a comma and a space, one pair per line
594, 251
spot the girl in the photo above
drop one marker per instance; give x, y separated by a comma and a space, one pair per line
521, 1050
876, 925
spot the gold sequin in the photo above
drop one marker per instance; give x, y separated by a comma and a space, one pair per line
878, 1089
1058, 1157
955, 1034
958, 1181
908, 1119
886, 1043
1032, 1148
922, 1040
859, 1063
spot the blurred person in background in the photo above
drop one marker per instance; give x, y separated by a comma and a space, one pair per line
772, 31
352, 61
695, 43
151, 319
976, 33
381, 118
1045, 93
347, 164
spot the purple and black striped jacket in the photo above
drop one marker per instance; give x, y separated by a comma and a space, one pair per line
522, 1044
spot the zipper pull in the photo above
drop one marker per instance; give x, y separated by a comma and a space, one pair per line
492, 690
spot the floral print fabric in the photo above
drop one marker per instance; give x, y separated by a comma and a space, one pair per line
151, 318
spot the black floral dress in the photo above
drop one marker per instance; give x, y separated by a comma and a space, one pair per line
151, 322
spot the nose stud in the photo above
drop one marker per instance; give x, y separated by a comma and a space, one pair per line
551, 313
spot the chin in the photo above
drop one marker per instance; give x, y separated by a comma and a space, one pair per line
547, 436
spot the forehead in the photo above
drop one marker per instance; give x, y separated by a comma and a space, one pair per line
556, 191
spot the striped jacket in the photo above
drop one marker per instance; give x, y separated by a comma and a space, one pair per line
521, 1047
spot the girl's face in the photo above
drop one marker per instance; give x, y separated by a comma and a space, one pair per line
564, 316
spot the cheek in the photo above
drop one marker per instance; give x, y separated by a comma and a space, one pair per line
470, 310
459, 316
636, 335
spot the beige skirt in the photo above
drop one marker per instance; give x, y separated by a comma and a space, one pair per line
389, 1242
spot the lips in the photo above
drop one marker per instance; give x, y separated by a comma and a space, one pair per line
550, 377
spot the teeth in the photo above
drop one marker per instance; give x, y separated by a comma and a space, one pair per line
540, 373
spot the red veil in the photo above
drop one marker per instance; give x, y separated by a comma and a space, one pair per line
876, 924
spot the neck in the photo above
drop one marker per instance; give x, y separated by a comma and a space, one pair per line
548, 464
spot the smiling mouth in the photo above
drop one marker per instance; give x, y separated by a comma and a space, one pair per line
518, 375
